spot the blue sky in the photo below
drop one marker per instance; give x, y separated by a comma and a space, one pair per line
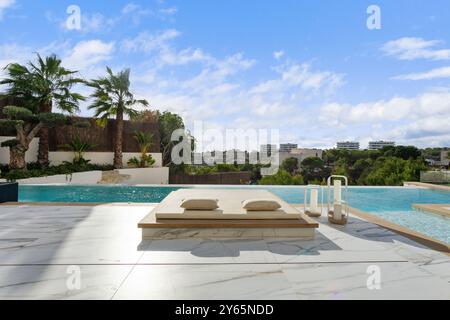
311, 69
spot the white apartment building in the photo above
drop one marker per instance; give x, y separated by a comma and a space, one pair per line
378, 145
347, 145
287, 147
445, 155
307, 153
268, 148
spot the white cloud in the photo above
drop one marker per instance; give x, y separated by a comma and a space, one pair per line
405, 119
213, 78
437, 73
96, 22
300, 76
171, 57
218, 96
147, 42
5, 4
169, 11
393, 110
130, 7
90, 22
136, 12
88, 53
278, 54
415, 48
160, 48
13, 53
135, 9
219, 91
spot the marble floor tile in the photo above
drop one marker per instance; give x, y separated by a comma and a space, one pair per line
103, 235
349, 281
208, 282
38, 243
57, 282
212, 251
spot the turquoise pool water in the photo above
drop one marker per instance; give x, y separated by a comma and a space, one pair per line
390, 203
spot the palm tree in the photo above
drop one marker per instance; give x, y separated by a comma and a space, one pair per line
79, 148
112, 97
145, 141
44, 84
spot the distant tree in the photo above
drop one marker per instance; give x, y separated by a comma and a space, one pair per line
290, 165
341, 168
359, 171
282, 177
403, 152
313, 168
225, 167
146, 115
394, 171
168, 123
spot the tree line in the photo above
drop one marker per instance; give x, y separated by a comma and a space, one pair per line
389, 166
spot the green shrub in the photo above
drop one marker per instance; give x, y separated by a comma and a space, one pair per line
34, 170
282, 177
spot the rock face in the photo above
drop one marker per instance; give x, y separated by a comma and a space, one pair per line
113, 177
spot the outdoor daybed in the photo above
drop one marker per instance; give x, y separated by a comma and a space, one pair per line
229, 220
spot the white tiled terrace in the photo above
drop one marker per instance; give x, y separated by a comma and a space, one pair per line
40, 244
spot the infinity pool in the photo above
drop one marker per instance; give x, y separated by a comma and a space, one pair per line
390, 203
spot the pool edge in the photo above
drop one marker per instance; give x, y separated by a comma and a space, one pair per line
406, 232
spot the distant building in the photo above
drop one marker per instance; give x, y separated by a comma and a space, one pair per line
287, 147
348, 145
235, 156
252, 157
308, 153
445, 155
268, 149
378, 145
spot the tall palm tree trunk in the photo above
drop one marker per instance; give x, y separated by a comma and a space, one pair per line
44, 139
43, 148
118, 140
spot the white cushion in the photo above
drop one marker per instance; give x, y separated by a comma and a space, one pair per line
260, 205
199, 204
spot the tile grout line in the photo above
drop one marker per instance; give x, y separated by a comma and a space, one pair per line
203, 263
124, 279
128, 274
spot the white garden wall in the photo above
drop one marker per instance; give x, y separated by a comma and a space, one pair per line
58, 157
133, 177
146, 175
89, 177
